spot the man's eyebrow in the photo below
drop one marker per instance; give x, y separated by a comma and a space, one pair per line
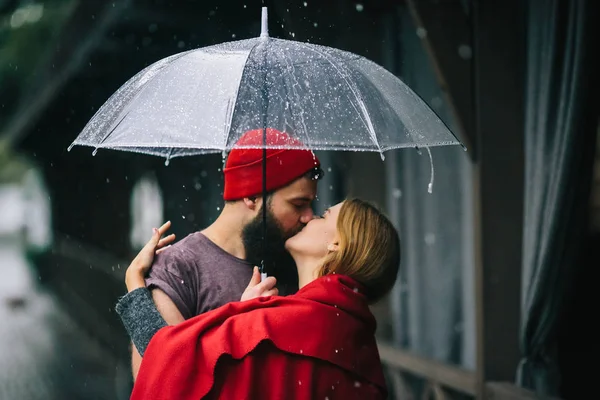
304, 199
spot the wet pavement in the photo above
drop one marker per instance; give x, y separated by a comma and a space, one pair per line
44, 354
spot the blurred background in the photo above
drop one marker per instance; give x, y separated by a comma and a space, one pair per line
495, 291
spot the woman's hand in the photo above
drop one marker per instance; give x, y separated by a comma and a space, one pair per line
136, 272
256, 288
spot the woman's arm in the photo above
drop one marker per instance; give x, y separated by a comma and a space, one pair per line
137, 309
140, 317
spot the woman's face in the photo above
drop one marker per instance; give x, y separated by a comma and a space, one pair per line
318, 237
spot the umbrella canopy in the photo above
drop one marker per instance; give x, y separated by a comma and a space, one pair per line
202, 101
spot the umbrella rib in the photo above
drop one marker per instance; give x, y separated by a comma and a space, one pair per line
366, 119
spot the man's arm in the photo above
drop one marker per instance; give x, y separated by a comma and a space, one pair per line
169, 312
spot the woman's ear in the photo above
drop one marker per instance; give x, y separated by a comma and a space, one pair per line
333, 247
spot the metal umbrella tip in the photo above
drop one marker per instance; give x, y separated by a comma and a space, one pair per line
264, 26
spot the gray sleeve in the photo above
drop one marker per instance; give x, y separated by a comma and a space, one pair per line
140, 317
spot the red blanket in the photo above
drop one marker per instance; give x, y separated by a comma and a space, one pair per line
318, 343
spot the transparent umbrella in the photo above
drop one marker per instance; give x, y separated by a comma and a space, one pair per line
203, 100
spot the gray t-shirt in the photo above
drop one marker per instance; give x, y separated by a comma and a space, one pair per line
198, 275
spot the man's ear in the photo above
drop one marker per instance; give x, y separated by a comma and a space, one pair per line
251, 202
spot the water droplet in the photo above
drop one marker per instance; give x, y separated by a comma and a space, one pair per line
465, 52
68, 148
315, 24
397, 193
182, 281
299, 383
301, 351
167, 162
359, 7
219, 208
107, 180
430, 238
183, 216
329, 169
356, 384
94, 152
336, 350
355, 290
233, 35
421, 32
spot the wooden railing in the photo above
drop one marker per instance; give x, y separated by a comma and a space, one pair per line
412, 377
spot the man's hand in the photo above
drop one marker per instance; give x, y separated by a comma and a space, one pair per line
256, 288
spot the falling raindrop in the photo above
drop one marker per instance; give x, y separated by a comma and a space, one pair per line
233, 35
430, 239
68, 148
465, 52
107, 180
356, 384
94, 152
219, 208
430, 186
305, 4
183, 217
397, 193
421, 32
315, 24
359, 7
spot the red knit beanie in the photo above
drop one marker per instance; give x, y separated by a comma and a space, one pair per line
243, 169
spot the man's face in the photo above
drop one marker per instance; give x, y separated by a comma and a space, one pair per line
291, 206
288, 211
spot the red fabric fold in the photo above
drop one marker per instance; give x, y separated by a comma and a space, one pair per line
317, 343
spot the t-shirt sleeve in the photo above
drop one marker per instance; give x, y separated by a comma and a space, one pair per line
174, 275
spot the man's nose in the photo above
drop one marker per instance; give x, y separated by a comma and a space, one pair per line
307, 216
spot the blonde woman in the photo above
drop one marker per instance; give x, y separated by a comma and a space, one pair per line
317, 343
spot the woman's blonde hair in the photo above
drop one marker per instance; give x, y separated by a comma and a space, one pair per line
369, 248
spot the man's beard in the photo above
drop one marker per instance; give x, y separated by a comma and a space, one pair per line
278, 262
